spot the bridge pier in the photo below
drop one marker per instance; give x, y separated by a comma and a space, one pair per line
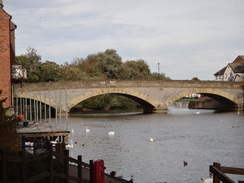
62, 114
160, 110
241, 107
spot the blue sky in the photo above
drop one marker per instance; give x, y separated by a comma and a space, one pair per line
190, 38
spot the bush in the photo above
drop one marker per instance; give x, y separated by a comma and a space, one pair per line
8, 128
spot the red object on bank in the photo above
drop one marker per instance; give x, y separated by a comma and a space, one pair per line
21, 116
99, 176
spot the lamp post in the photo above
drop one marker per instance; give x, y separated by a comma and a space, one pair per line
158, 69
61, 69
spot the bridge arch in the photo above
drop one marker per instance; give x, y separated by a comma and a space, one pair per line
148, 103
210, 92
40, 98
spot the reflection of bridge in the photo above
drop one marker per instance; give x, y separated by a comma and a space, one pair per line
154, 96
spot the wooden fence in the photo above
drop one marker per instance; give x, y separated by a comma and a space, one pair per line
52, 167
219, 172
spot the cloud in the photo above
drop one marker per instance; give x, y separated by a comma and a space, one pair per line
190, 38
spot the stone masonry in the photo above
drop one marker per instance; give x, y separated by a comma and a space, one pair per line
154, 96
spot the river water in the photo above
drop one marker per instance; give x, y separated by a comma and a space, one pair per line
199, 137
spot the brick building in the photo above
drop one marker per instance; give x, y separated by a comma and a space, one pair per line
7, 54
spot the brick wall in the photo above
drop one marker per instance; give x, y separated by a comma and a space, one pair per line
5, 57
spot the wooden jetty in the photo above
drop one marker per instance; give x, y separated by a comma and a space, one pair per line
219, 173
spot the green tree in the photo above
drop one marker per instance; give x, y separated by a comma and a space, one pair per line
48, 71
103, 63
135, 70
8, 127
30, 61
108, 101
195, 79
157, 76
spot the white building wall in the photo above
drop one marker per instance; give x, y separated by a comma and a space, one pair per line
219, 78
229, 75
239, 77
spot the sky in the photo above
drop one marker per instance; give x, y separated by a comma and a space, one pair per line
182, 39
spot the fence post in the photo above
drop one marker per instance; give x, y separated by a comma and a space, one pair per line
58, 148
4, 165
23, 164
66, 165
23, 143
215, 179
51, 162
91, 172
80, 168
34, 146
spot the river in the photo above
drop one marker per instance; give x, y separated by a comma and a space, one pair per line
199, 137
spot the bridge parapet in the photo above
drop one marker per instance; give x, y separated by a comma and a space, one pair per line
125, 83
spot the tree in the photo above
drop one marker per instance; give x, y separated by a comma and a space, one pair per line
48, 71
8, 127
108, 101
135, 70
103, 63
157, 76
195, 79
30, 61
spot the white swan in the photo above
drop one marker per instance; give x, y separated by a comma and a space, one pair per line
111, 133
209, 180
72, 130
87, 129
151, 139
55, 141
68, 146
29, 145
198, 112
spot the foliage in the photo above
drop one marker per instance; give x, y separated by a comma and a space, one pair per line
103, 64
8, 126
99, 66
135, 70
49, 71
195, 79
157, 76
108, 101
31, 62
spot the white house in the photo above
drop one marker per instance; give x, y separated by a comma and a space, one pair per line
18, 72
232, 72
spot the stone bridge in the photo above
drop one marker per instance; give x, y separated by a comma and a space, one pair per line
154, 96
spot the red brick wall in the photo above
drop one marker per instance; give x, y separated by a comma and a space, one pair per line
5, 62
